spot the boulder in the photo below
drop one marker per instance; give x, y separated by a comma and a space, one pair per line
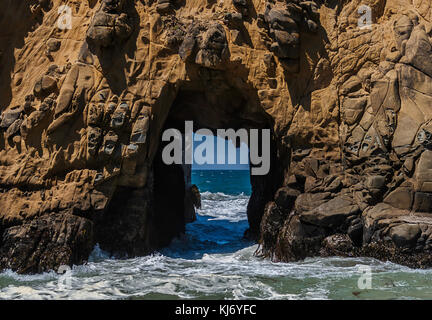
8, 117
46, 243
331, 214
108, 25
405, 235
337, 245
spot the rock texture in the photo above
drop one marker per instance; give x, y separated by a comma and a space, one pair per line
82, 111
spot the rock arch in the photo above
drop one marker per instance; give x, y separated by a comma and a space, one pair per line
86, 106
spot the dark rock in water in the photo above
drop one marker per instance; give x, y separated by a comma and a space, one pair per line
196, 196
337, 244
192, 202
46, 243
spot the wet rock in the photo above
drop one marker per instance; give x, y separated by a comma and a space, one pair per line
196, 196
192, 202
298, 240
355, 232
46, 243
337, 245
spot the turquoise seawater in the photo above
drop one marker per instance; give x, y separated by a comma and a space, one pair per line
213, 261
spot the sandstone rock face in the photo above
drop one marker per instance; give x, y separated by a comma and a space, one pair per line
83, 109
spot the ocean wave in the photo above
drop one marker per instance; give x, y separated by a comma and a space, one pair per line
207, 195
221, 206
236, 275
212, 261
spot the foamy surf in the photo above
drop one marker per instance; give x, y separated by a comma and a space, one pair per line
213, 261
237, 275
222, 206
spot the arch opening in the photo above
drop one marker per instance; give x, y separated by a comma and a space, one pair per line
211, 110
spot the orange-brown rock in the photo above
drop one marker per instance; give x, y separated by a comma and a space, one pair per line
83, 109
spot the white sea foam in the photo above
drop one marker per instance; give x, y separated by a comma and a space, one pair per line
221, 206
229, 271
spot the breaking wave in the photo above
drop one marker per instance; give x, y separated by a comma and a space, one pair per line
213, 261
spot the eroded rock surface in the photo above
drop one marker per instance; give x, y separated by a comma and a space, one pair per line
83, 109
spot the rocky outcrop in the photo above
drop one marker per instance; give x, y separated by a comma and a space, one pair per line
283, 22
109, 24
377, 197
83, 109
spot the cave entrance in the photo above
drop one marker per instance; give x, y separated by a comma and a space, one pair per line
211, 107
220, 219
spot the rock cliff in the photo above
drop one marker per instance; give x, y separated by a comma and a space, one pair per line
87, 89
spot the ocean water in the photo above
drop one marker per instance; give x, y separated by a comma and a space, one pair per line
212, 261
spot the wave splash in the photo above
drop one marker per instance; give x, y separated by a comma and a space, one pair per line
221, 206
212, 261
